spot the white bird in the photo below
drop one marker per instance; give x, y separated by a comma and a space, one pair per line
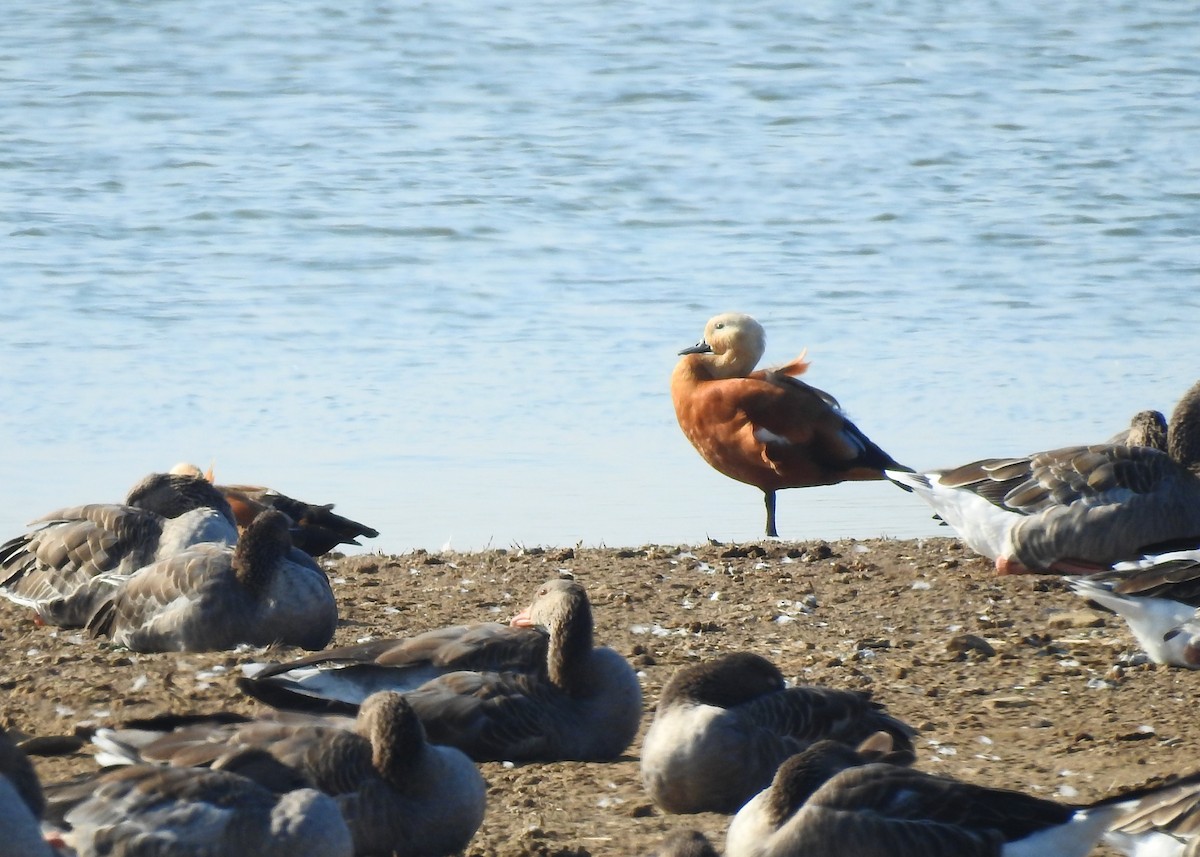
831, 799
738, 707
538, 691
63, 552
212, 596
1076, 509
1158, 597
399, 794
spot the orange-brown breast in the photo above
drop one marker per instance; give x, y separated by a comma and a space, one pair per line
720, 417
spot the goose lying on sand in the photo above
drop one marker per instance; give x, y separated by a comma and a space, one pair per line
398, 794
1157, 597
536, 691
162, 515
738, 707
1077, 509
211, 597
831, 799
150, 809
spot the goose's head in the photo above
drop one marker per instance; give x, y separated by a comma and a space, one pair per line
173, 494
397, 737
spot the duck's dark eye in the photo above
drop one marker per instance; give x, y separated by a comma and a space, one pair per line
719, 326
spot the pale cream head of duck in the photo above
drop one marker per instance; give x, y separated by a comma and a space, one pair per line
732, 346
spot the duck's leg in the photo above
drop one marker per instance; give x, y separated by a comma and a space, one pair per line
769, 501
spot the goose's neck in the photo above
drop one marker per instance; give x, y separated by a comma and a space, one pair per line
254, 563
1183, 430
395, 757
570, 645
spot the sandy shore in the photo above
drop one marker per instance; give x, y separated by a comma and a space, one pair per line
1011, 681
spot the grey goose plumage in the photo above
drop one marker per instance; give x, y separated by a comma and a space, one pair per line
832, 799
738, 707
151, 809
1158, 597
1146, 428
398, 793
1075, 509
538, 691
211, 596
53, 567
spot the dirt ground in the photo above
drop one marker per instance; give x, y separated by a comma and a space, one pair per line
1011, 681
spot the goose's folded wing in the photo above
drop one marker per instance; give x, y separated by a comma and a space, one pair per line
904, 793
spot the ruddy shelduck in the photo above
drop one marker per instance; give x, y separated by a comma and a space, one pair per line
316, 528
766, 428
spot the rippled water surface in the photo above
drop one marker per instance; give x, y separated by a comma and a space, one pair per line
434, 261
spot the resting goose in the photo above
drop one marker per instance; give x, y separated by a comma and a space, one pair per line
515, 694
1076, 509
163, 514
316, 529
212, 596
831, 800
150, 809
765, 428
21, 804
398, 794
1147, 428
738, 707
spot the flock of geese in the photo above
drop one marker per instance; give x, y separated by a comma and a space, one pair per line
372, 749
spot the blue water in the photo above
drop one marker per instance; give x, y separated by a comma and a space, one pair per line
433, 261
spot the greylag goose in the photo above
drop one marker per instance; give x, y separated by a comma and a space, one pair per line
1077, 509
538, 691
316, 529
212, 596
21, 804
151, 809
1147, 428
162, 515
832, 800
1157, 596
738, 707
398, 794
765, 428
